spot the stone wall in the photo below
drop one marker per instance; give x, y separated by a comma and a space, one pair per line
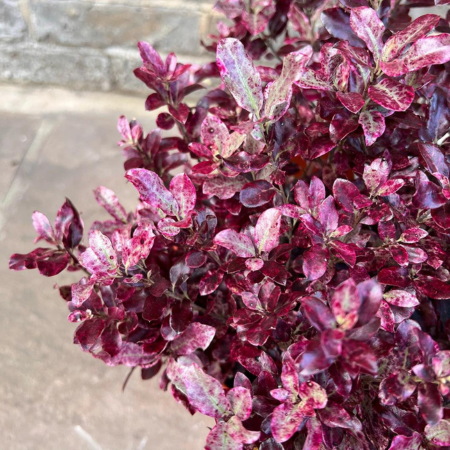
91, 44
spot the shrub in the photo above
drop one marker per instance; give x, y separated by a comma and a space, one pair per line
292, 280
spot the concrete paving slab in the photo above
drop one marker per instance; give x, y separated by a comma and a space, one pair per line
52, 395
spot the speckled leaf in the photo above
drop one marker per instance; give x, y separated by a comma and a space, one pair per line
100, 258
413, 235
376, 174
152, 190
196, 335
204, 392
406, 442
392, 95
267, 230
241, 402
210, 282
368, 27
425, 52
139, 246
107, 199
314, 438
417, 29
215, 134
429, 401
238, 243
286, 419
237, 431
224, 187
315, 262
373, 125
184, 193
278, 93
345, 304
309, 79
43, 228
397, 297
314, 394
219, 439
351, 100
439, 434
239, 75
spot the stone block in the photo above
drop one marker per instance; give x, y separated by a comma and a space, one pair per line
75, 68
99, 25
12, 24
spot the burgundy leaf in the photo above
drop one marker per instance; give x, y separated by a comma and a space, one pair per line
430, 403
315, 262
256, 194
224, 187
210, 282
391, 94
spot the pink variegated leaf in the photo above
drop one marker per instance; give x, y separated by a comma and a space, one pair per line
314, 439
398, 297
401, 442
81, 291
210, 282
223, 187
107, 199
287, 417
368, 27
416, 30
239, 75
204, 392
351, 100
310, 79
392, 95
314, 394
254, 264
278, 93
390, 187
413, 235
267, 230
100, 259
215, 135
170, 227
241, 402
439, 434
219, 439
151, 59
376, 174
239, 433
328, 216
315, 262
387, 319
152, 190
43, 228
345, 304
293, 211
240, 244
429, 401
184, 193
424, 52
373, 125
139, 246
196, 335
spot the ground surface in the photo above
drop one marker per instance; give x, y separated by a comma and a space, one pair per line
54, 143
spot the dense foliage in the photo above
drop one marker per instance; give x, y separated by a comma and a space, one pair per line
292, 281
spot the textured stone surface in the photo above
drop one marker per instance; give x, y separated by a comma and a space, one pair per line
92, 24
12, 24
54, 396
78, 69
